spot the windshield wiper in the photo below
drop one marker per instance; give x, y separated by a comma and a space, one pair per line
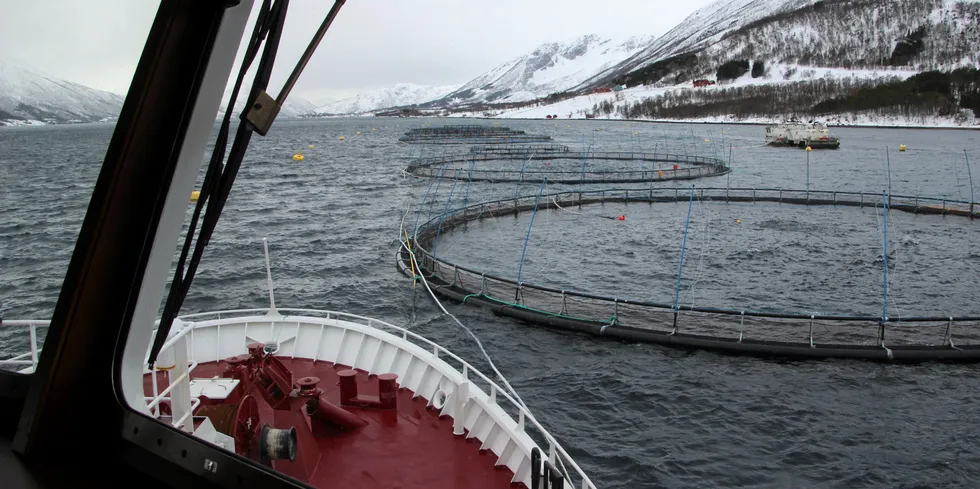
258, 116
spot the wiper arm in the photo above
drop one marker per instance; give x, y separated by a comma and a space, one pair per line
219, 178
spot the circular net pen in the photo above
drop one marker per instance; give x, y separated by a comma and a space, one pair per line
561, 165
470, 134
763, 333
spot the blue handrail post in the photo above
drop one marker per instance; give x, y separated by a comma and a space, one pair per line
969, 174
680, 267
884, 254
442, 218
520, 267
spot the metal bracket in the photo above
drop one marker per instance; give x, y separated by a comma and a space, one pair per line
263, 113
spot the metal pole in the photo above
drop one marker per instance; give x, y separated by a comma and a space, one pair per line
680, 266
268, 276
888, 162
469, 177
728, 185
520, 267
970, 174
442, 171
807, 175
442, 218
884, 307
419, 214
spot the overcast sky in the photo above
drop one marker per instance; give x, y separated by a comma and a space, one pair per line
372, 44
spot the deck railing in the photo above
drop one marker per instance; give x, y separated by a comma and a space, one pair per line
197, 322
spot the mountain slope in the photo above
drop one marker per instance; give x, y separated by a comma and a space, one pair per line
400, 95
886, 61
28, 95
928, 34
552, 67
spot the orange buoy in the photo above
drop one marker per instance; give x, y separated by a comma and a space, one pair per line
621, 218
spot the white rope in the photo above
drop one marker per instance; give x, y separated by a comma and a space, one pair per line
479, 344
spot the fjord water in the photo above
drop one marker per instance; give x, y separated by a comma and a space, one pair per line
631, 415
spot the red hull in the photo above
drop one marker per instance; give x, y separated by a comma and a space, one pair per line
406, 448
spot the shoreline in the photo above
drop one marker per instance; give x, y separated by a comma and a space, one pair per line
738, 123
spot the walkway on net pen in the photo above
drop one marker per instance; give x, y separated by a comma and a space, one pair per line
582, 167
758, 333
470, 134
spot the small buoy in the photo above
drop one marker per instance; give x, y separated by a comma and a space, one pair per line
676, 166
738, 221
298, 157
636, 134
374, 129
195, 195
809, 148
341, 138
358, 133
621, 218
901, 148
707, 140
311, 146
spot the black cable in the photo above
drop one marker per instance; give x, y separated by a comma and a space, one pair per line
220, 177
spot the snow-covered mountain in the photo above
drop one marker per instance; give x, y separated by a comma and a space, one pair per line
840, 33
699, 30
552, 67
29, 95
775, 59
295, 105
400, 95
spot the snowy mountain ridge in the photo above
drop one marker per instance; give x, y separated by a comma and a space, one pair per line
550, 68
399, 95
701, 29
28, 95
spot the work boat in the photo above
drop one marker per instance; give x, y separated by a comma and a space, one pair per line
263, 398
802, 135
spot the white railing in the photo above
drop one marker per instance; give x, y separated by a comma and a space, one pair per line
192, 322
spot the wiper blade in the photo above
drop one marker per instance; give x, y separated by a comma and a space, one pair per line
219, 178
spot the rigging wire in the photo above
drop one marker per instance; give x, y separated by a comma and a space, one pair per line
220, 176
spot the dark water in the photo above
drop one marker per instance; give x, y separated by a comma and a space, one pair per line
631, 415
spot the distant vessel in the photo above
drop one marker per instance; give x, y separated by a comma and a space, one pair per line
814, 135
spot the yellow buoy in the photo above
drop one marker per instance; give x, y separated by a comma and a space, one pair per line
375, 129
298, 157
195, 195
341, 138
311, 146
358, 133
707, 140
901, 148
809, 148
738, 221
636, 134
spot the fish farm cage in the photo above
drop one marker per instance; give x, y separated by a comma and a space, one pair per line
559, 165
728, 330
470, 134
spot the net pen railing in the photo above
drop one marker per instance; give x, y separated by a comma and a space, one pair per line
592, 169
598, 313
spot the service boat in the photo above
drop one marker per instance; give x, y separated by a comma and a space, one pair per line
270, 398
802, 135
